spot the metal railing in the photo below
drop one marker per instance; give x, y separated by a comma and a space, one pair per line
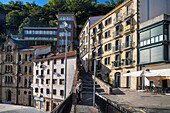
117, 33
117, 19
117, 48
65, 106
128, 13
107, 106
128, 44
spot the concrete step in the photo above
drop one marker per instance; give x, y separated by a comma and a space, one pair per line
91, 85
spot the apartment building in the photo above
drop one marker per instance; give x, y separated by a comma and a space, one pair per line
84, 40
16, 71
71, 31
154, 51
35, 35
48, 80
113, 42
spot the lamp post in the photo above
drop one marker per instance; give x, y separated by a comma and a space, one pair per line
65, 81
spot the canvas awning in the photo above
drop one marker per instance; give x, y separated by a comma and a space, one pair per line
136, 73
151, 73
159, 72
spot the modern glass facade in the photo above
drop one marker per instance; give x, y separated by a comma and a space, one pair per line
153, 46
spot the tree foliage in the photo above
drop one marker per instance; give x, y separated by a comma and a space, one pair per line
19, 14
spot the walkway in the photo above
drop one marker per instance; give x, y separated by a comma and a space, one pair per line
140, 101
86, 105
10, 108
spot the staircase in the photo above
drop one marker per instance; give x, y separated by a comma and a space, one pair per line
86, 104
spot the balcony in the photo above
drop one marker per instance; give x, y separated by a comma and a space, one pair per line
99, 42
99, 30
117, 48
128, 45
92, 35
128, 62
116, 64
128, 29
117, 20
117, 34
128, 14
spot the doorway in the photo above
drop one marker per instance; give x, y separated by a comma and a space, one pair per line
29, 98
128, 81
9, 95
118, 80
164, 83
47, 106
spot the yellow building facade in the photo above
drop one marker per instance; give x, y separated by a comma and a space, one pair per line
113, 42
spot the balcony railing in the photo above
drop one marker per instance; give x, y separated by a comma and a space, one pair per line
117, 48
129, 44
128, 28
117, 33
117, 20
128, 13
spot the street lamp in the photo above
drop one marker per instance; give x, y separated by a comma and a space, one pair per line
65, 28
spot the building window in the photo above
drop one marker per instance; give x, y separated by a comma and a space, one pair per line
36, 72
107, 34
30, 57
42, 81
61, 81
25, 69
25, 92
36, 90
48, 71
109, 46
105, 47
48, 62
25, 57
62, 70
42, 72
108, 60
55, 70
105, 61
19, 79
18, 92
37, 81
54, 91
62, 61
55, 61
41, 90
47, 81
30, 70
47, 91
54, 81
61, 92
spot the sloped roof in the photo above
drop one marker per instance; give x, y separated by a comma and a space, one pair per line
58, 56
17, 42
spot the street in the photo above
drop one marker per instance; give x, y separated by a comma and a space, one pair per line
10, 108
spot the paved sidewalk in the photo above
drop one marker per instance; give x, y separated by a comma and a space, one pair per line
141, 101
10, 108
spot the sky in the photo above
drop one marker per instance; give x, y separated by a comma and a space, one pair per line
39, 2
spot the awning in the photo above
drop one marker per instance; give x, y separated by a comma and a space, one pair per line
136, 73
97, 48
90, 51
159, 72
151, 73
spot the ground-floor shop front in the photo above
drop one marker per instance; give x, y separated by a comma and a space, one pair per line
46, 104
